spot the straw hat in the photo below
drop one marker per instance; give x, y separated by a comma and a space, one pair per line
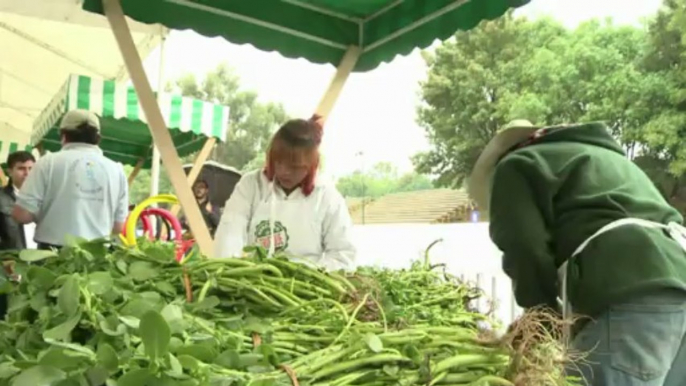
479, 182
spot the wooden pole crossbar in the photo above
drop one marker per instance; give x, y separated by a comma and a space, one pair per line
158, 128
135, 171
328, 101
197, 166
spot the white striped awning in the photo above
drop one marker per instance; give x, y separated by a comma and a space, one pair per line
109, 99
126, 137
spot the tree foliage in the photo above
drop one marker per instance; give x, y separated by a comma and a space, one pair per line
383, 178
251, 122
140, 188
514, 68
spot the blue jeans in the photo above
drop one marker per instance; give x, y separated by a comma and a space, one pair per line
638, 343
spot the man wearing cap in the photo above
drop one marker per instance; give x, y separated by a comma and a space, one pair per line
76, 191
581, 225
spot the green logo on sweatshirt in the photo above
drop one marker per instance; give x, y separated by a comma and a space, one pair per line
263, 236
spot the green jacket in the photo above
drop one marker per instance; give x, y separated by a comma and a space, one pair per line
552, 194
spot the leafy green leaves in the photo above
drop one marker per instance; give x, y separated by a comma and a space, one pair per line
7, 370
382, 178
100, 282
82, 319
40, 277
155, 334
34, 255
137, 377
68, 297
108, 358
373, 342
173, 315
141, 303
142, 271
63, 331
39, 376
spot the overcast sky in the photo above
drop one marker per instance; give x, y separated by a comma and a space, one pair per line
376, 111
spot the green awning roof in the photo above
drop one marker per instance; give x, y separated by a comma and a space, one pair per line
125, 134
320, 30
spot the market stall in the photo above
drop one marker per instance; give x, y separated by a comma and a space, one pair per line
355, 36
193, 124
137, 317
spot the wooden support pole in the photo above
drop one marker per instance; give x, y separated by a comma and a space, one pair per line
200, 159
158, 128
197, 166
343, 70
194, 172
136, 170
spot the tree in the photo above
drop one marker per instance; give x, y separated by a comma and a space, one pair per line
604, 79
382, 179
664, 63
513, 68
251, 123
256, 163
140, 188
476, 83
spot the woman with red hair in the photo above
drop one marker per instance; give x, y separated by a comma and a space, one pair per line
284, 208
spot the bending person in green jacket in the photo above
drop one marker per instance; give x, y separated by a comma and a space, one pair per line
581, 225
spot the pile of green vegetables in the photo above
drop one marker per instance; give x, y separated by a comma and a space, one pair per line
91, 316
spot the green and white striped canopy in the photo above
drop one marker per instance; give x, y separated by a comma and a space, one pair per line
125, 134
320, 30
7, 148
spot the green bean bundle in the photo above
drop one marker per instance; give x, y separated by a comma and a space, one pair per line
89, 317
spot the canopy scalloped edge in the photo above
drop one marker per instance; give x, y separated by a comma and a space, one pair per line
130, 151
402, 26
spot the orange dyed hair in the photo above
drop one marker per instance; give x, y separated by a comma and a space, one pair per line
297, 142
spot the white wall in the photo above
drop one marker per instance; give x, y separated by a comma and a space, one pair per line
466, 250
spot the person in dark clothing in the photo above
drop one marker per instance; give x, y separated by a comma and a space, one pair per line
210, 213
584, 230
12, 234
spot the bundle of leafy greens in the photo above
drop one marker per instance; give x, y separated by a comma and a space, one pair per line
91, 316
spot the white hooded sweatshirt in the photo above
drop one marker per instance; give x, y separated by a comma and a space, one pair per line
314, 229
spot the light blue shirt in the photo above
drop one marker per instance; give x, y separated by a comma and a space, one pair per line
75, 192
